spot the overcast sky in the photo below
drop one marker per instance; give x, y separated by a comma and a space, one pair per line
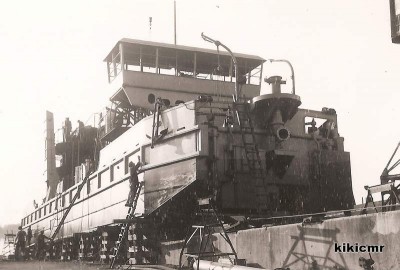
51, 56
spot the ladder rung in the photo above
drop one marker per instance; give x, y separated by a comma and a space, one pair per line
249, 143
240, 102
130, 215
249, 128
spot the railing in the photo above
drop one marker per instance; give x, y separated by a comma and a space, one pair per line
180, 66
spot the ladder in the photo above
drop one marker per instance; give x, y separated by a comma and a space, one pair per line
70, 206
123, 233
252, 152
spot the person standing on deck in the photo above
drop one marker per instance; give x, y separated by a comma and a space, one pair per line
20, 244
29, 236
28, 243
133, 181
40, 245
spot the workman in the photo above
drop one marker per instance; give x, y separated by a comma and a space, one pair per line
133, 181
20, 244
67, 130
29, 236
28, 242
40, 245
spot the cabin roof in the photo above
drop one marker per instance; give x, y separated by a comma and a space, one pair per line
171, 50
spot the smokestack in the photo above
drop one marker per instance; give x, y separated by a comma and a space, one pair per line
52, 177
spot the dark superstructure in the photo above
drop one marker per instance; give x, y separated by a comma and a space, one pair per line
395, 20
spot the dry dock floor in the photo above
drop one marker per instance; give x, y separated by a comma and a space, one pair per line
47, 265
72, 265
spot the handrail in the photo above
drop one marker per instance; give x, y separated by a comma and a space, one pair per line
291, 69
235, 63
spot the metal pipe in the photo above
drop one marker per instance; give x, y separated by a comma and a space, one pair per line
292, 70
154, 122
208, 265
278, 128
387, 178
122, 57
391, 158
175, 22
217, 43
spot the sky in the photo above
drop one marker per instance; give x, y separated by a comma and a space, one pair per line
51, 58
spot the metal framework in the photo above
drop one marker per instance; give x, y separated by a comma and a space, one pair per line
385, 189
385, 177
9, 243
211, 223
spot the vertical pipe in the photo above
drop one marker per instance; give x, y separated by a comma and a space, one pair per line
245, 70
157, 71
230, 71
141, 60
108, 71
114, 64
50, 157
195, 65
176, 63
122, 57
175, 22
158, 116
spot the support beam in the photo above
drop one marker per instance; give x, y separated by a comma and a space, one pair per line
230, 70
108, 71
141, 60
157, 69
113, 56
195, 65
129, 221
122, 56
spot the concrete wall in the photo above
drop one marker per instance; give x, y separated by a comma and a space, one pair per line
313, 246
